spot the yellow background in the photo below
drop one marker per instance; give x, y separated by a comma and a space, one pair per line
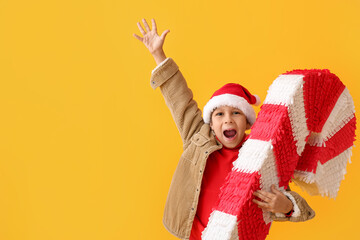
88, 149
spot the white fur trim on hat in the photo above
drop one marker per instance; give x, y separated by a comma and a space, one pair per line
232, 101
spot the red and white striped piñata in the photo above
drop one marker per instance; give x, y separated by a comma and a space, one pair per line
305, 130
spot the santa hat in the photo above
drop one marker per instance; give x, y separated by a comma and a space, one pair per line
233, 95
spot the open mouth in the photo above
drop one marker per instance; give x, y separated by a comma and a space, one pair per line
230, 133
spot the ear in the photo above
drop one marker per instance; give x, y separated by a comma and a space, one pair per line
211, 125
248, 126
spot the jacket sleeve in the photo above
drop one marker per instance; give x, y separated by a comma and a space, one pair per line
302, 210
178, 97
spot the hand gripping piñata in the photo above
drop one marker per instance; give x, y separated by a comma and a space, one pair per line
305, 130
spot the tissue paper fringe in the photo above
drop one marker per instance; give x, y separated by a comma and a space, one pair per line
236, 193
269, 176
298, 119
341, 114
321, 92
251, 157
326, 181
221, 226
338, 143
283, 89
304, 111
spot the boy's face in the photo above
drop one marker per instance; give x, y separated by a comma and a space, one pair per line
229, 125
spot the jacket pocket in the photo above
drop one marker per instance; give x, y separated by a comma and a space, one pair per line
192, 152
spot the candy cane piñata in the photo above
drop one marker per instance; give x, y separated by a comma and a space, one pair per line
305, 130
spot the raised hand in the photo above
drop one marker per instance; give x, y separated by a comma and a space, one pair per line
151, 39
274, 201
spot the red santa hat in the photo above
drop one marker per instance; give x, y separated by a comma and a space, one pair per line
233, 95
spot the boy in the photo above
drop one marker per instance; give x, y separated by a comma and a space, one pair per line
211, 143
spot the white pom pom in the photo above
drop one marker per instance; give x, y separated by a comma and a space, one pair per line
258, 101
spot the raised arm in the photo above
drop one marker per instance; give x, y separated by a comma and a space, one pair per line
167, 76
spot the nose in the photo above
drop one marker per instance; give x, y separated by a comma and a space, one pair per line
228, 118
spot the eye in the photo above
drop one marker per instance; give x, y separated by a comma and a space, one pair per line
237, 112
218, 114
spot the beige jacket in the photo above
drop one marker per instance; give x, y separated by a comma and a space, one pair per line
198, 144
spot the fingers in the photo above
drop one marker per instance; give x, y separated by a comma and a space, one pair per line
138, 37
274, 190
141, 29
154, 25
262, 205
270, 201
146, 25
143, 32
263, 195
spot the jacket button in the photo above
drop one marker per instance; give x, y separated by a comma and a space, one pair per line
200, 171
192, 209
153, 82
197, 189
206, 152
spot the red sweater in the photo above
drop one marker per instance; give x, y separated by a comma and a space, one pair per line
218, 165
